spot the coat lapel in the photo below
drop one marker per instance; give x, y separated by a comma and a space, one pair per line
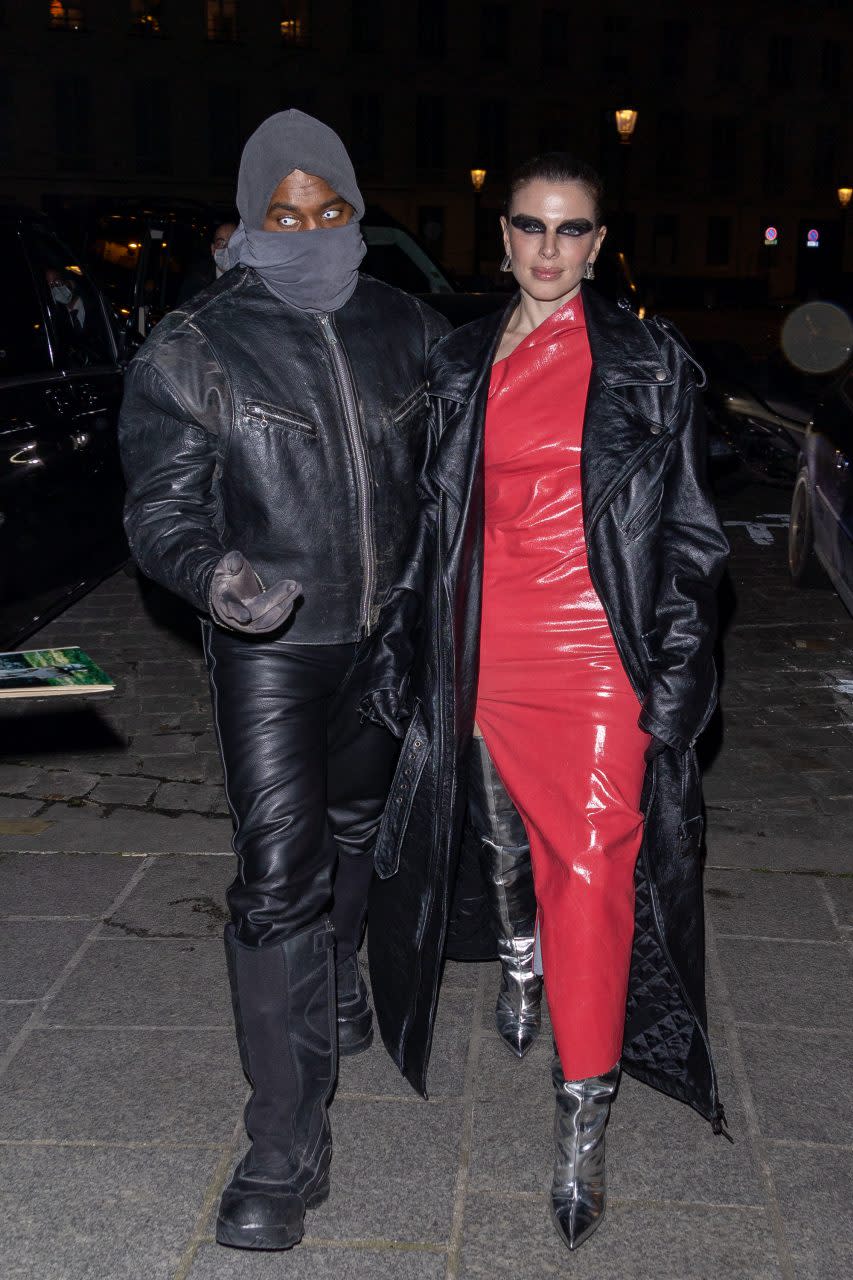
624, 412
629, 389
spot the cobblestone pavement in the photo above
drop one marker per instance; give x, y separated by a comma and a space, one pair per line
121, 1093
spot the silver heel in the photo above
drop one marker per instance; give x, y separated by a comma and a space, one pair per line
579, 1189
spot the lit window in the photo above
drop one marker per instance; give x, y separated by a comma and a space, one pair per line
146, 16
222, 19
66, 17
295, 22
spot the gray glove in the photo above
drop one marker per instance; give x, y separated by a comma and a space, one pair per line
238, 601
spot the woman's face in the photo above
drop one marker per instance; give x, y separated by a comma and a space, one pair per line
550, 236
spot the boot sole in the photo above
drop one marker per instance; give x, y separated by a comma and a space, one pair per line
256, 1237
268, 1238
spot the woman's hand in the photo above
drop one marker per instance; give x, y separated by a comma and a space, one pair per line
388, 708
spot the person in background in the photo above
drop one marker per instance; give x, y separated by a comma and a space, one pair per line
207, 272
219, 246
272, 433
552, 640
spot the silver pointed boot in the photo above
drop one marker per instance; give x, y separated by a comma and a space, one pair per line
505, 862
518, 1012
579, 1190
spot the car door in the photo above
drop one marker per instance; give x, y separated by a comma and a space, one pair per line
60, 482
843, 489
85, 402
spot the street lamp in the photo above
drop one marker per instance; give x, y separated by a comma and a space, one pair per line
478, 179
626, 123
845, 195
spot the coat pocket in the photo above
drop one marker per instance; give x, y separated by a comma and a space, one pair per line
639, 520
410, 766
692, 826
257, 413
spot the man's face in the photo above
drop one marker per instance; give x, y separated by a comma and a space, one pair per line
221, 236
304, 202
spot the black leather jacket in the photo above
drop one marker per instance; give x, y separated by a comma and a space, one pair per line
656, 552
294, 438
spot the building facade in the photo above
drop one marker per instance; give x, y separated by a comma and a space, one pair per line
744, 119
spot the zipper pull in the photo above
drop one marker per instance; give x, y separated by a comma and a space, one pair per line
326, 322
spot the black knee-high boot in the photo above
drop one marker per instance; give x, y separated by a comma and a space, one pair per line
284, 1012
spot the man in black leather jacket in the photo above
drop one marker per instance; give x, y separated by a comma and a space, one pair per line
272, 433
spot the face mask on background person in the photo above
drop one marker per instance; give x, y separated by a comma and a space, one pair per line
220, 257
61, 293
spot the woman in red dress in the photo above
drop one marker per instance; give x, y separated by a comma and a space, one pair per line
560, 607
550, 674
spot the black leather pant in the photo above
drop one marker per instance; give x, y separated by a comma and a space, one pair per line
306, 782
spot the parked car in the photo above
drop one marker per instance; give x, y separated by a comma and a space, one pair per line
758, 409
820, 539
61, 488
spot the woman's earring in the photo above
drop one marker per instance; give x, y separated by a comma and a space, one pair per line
589, 271
506, 265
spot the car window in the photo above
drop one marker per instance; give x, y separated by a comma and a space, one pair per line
24, 346
82, 337
393, 256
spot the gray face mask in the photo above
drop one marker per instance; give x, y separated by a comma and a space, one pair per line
220, 257
314, 271
61, 293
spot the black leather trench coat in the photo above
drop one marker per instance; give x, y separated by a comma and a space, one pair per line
656, 552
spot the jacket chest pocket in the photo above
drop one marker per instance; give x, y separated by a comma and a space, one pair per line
269, 417
403, 416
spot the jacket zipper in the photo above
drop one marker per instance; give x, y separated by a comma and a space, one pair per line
363, 480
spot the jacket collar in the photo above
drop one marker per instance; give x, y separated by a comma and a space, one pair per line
623, 352
463, 359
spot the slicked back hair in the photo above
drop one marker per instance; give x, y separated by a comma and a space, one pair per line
559, 166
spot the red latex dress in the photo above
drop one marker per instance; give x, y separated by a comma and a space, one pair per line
555, 707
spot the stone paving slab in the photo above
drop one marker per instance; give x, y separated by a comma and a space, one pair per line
321, 1262
33, 953
513, 1237
137, 1086
180, 897
147, 982
97, 1213
61, 884
789, 982
813, 1186
784, 906
801, 1081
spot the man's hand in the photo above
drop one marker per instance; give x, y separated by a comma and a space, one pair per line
237, 599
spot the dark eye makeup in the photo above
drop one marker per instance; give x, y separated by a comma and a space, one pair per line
534, 226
